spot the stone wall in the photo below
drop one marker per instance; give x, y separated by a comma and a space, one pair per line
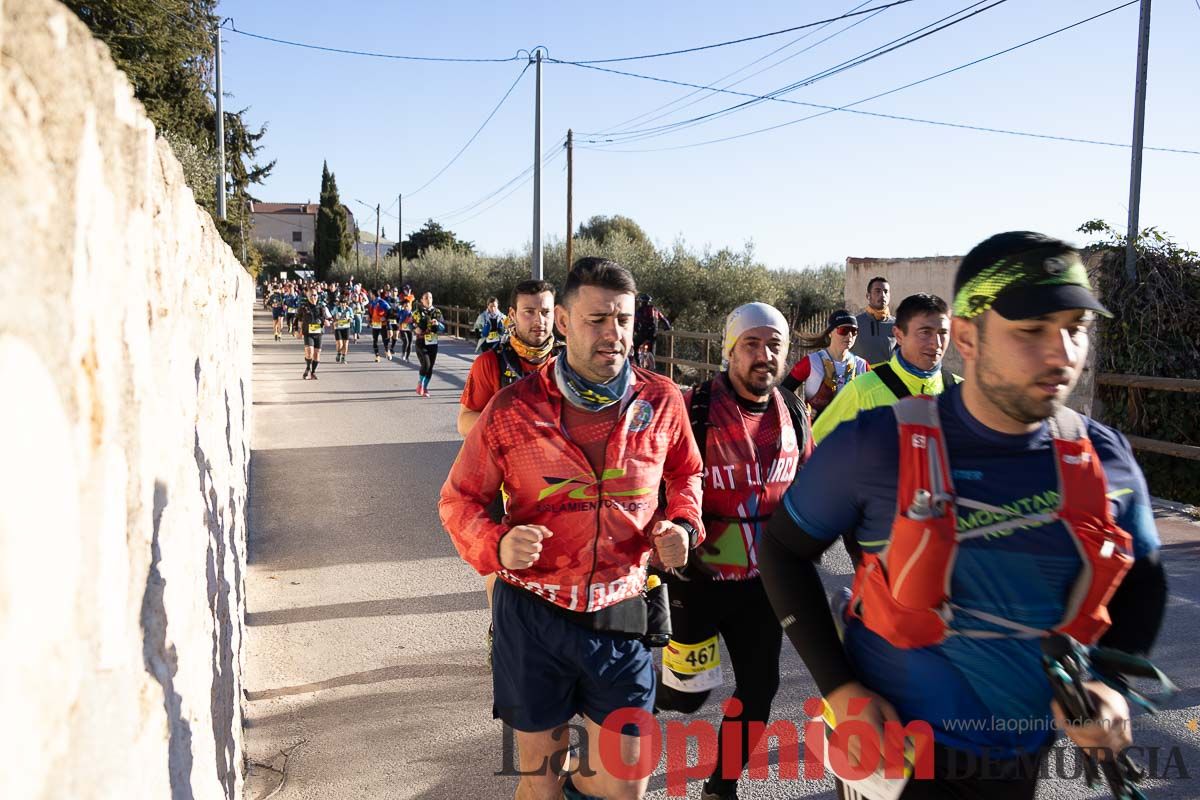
125, 366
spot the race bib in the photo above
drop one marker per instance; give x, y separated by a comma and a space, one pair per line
343, 323
376, 325
494, 336
314, 327
692, 667
431, 338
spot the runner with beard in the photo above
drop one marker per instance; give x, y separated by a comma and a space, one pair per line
752, 437
980, 521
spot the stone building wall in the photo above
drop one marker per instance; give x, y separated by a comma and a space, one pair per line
125, 367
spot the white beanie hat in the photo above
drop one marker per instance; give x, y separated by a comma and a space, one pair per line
749, 316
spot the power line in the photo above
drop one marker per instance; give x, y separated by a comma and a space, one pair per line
743, 39
525, 173
370, 54
758, 60
862, 58
848, 108
475, 135
524, 177
553, 156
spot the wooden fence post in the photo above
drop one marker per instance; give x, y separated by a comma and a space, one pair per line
671, 355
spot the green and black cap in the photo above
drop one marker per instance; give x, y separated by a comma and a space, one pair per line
1021, 274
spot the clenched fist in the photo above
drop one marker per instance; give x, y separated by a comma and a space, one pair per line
671, 542
521, 547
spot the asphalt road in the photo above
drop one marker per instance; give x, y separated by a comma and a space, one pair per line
365, 666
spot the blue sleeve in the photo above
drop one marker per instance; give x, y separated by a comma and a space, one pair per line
822, 499
1126, 488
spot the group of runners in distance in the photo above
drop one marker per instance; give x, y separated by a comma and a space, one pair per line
305, 309
610, 512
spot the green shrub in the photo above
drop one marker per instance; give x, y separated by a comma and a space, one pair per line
1153, 333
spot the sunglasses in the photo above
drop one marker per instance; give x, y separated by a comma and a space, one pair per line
846, 330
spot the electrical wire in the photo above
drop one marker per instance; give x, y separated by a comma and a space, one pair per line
474, 136
524, 177
743, 39
740, 81
848, 108
553, 156
370, 54
862, 58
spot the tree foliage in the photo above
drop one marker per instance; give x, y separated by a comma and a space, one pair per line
332, 235
1151, 333
600, 228
276, 255
165, 49
432, 236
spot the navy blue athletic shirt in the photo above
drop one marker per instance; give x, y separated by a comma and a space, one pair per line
976, 693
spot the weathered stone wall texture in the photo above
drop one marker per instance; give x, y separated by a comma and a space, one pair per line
125, 367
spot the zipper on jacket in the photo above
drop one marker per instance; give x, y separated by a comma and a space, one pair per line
599, 486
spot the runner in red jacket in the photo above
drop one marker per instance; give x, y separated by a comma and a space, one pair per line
581, 447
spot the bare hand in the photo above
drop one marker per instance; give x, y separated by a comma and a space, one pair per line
855, 701
521, 547
671, 542
1110, 732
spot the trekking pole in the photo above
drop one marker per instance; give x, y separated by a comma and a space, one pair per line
1068, 665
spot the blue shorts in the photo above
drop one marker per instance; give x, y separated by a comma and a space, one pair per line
276, 313
546, 668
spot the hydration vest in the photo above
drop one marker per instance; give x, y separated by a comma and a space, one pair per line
902, 593
830, 384
742, 486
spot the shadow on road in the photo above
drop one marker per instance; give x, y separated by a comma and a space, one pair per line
473, 600
346, 505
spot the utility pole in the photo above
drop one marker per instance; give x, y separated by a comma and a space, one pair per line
220, 128
537, 173
570, 192
377, 238
1139, 127
357, 247
400, 239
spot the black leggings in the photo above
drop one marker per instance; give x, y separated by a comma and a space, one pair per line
406, 342
427, 354
375, 333
741, 613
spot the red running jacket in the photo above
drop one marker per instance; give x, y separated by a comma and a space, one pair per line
598, 553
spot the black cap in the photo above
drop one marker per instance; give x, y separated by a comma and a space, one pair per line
1021, 274
841, 317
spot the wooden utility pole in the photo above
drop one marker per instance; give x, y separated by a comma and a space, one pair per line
570, 192
357, 247
377, 238
400, 239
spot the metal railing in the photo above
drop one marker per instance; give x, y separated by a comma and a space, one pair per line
1161, 384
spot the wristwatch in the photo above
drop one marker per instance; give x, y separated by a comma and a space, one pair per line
693, 534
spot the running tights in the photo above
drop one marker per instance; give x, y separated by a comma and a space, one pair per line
427, 354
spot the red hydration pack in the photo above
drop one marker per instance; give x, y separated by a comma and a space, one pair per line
902, 593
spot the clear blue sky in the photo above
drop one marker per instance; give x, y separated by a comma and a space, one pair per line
818, 191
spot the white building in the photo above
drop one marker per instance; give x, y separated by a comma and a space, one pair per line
294, 223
